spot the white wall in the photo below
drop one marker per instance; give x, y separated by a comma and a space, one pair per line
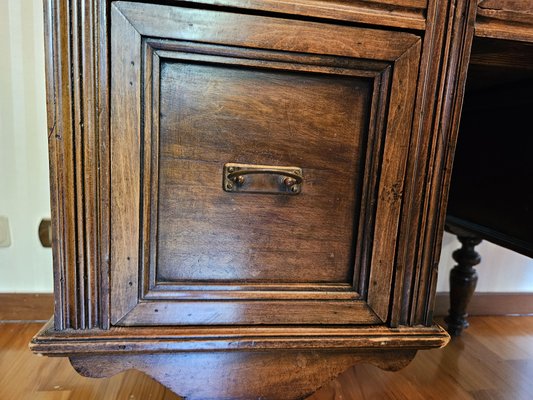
500, 270
24, 198
25, 266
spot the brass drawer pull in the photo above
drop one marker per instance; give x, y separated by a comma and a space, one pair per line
270, 179
290, 180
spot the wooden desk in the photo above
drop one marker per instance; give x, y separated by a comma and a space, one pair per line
491, 192
239, 283
163, 264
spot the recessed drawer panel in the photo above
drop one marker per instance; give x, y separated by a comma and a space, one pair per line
213, 114
257, 167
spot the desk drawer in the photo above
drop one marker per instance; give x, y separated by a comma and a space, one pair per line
316, 118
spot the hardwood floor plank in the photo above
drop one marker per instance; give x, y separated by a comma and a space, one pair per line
509, 340
58, 395
493, 360
24, 375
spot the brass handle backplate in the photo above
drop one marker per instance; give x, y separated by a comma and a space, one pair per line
262, 179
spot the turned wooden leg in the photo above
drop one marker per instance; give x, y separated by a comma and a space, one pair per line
463, 280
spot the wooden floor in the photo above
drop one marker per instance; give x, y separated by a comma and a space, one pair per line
493, 360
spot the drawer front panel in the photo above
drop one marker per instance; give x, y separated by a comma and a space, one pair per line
184, 103
214, 114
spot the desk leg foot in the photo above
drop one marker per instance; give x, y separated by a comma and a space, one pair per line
463, 280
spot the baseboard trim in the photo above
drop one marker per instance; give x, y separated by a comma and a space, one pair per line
26, 306
489, 303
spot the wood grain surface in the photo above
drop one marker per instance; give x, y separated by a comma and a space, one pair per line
99, 176
394, 13
80, 141
505, 19
211, 115
298, 374
490, 303
492, 360
26, 306
298, 94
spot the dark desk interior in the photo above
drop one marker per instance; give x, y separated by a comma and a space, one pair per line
491, 193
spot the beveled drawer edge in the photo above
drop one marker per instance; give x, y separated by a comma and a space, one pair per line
410, 17
505, 20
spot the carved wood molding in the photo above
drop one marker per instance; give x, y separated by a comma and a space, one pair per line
505, 19
396, 51
142, 340
434, 62
394, 13
439, 100
77, 102
81, 262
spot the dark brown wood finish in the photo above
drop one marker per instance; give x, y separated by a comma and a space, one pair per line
440, 13
143, 340
76, 71
408, 14
431, 154
148, 102
294, 371
313, 112
505, 19
463, 280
